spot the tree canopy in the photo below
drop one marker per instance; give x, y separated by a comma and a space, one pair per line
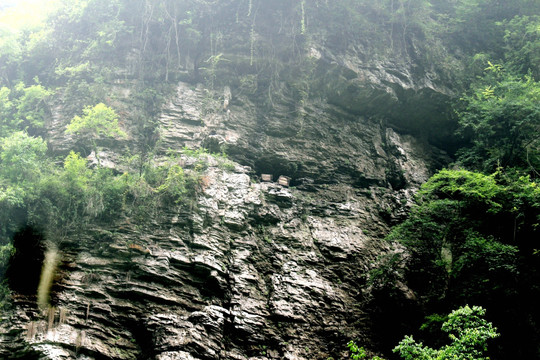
501, 117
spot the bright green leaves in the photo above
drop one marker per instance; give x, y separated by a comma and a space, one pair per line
357, 352
409, 349
23, 108
468, 332
97, 121
21, 157
475, 189
32, 106
22, 165
76, 170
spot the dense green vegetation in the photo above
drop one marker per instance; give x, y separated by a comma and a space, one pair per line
472, 236
501, 118
61, 200
472, 239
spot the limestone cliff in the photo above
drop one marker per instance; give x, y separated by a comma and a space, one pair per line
249, 269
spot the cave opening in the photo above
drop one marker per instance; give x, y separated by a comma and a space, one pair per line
277, 166
24, 267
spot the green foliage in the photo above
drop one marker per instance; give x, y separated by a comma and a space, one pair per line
23, 108
358, 352
471, 237
522, 44
501, 117
474, 189
63, 200
6, 108
99, 120
174, 183
32, 107
21, 158
77, 173
468, 332
456, 231
10, 54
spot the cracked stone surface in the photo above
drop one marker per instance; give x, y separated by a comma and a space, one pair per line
250, 269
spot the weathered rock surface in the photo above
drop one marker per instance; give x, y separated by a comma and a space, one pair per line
250, 270
410, 96
325, 145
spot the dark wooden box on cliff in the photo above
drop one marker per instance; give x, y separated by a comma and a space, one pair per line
284, 180
266, 177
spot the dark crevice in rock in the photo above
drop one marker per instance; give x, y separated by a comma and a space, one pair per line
228, 323
24, 269
390, 316
142, 338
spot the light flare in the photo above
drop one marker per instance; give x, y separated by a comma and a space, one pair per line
47, 276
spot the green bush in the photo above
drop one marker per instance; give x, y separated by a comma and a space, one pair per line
22, 158
32, 106
501, 117
468, 332
98, 121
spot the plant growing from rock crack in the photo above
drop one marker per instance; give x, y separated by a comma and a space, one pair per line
358, 352
97, 121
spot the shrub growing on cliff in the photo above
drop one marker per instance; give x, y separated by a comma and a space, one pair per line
21, 158
32, 107
468, 332
501, 117
358, 352
97, 121
23, 108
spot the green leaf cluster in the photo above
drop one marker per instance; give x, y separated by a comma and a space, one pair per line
522, 44
501, 119
24, 108
468, 332
358, 352
98, 120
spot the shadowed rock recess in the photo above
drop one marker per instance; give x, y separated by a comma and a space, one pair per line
247, 269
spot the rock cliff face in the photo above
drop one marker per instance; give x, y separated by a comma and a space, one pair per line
251, 269
248, 269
